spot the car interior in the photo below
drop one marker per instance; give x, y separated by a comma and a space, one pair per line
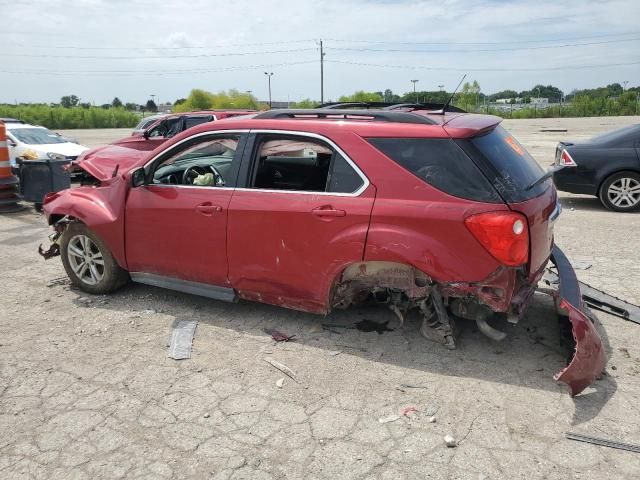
204, 164
287, 164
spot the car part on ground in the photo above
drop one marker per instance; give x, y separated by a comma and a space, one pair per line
578, 437
320, 209
181, 339
599, 300
589, 358
607, 166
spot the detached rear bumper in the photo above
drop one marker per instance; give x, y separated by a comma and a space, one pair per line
589, 358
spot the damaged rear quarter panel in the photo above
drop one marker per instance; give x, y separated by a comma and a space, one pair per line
101, 208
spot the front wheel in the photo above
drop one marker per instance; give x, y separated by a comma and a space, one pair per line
88, 262
621, 192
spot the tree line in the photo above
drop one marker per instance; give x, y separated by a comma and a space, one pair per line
71, 112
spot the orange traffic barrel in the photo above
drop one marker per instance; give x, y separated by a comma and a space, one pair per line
9, 195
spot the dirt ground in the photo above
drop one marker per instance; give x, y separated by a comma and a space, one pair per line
87, 389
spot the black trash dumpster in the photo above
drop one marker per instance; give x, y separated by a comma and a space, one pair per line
39, 177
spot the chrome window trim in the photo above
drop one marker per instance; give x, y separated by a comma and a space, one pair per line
356, 193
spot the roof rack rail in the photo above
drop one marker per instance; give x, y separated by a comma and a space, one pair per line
425, 106
365, 105
390, 106
338, 114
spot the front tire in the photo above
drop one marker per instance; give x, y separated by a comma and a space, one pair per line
621, 192
88, 262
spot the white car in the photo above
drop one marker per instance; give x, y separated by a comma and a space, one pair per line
38, 143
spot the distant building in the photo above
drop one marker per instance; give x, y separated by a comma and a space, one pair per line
539, 101
509, 100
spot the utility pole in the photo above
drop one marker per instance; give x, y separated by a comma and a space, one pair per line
269, 75
414, 89
322, 54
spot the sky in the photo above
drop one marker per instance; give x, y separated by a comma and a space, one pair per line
100, 49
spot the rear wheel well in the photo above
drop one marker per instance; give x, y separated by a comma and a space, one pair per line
369, 277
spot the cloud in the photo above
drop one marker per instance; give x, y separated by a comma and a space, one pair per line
61, 31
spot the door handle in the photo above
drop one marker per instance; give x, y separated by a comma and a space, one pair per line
208, 208
328, 212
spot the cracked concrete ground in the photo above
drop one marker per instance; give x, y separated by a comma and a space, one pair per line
87, 390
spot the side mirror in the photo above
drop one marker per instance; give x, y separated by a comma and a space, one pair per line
145, 134
11, 143
138, 177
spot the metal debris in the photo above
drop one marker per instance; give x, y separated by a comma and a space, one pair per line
407, 385
58, 281
278, 336
431, 410
283, 368
181, 339
603, 442
599, 300
407, 411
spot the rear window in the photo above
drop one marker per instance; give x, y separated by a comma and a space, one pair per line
440, 163
508, 165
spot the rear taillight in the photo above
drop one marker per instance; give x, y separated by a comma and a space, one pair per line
566, 160
505, 235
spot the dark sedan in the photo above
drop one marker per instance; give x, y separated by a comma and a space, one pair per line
607, 166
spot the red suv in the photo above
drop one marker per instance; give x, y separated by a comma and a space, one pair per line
444, 212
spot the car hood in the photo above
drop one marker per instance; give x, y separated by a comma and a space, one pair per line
66, 149
101, 162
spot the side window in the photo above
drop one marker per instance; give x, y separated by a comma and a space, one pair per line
301, 164
204, 163
440, 163
343, 178
166, 128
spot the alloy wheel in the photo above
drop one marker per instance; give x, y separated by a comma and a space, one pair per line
624, 192
86, 259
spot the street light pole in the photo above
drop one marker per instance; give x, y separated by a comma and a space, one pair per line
269, 75
414, 89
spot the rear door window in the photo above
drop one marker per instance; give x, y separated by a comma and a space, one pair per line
507, 163
440, 163
287, 162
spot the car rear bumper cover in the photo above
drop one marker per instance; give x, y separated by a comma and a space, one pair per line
589, 358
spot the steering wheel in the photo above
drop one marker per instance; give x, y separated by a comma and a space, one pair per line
190, 174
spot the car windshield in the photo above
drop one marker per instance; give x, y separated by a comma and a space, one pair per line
146, 122
37, 136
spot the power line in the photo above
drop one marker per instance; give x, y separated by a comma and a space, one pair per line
461, 69
129, 73
538, 47
148, 57
508, 42
159, 47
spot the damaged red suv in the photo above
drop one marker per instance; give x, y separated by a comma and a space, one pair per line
440, 211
